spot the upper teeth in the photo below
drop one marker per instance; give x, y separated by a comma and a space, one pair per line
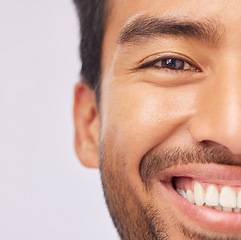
226, 199
211, 197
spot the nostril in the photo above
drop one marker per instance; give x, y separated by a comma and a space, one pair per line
208, 144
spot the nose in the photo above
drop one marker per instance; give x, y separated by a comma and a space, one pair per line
218, 111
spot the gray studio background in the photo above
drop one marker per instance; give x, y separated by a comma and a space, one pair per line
45, 193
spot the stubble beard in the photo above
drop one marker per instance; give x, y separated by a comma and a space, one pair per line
142, 221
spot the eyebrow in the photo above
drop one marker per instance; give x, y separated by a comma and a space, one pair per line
145, 27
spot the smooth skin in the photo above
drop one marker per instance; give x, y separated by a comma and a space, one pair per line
158, 108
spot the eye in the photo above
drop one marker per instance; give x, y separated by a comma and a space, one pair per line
171, 64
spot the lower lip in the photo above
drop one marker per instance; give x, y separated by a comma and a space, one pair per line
214, 220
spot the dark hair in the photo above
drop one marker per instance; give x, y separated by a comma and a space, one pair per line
92, 20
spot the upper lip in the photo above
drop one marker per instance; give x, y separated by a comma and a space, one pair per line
209, 173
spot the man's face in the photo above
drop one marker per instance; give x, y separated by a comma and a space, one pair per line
170, 118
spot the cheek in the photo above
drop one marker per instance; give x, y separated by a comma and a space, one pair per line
141, 116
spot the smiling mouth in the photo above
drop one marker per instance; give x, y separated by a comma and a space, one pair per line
219, 197
208, 195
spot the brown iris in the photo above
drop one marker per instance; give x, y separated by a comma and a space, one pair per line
173, 64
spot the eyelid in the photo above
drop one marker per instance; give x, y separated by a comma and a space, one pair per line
152, 60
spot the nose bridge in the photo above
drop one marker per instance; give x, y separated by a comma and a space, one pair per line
225, 102
218, 116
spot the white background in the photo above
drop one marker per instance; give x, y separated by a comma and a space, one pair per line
45, 193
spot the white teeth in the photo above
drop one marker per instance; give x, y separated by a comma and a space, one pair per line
182, 193
199, 194
227, 209
190, 196
239, 199
218, 207
212, 195
236, 210
208, 206
226, 200
227, 197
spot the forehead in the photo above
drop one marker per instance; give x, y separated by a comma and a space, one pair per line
122, 12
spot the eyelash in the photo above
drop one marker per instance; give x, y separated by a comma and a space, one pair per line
152, 64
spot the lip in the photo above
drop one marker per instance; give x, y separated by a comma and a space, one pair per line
203, 216
207, 173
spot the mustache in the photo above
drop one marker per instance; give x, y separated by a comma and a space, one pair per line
156, 160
